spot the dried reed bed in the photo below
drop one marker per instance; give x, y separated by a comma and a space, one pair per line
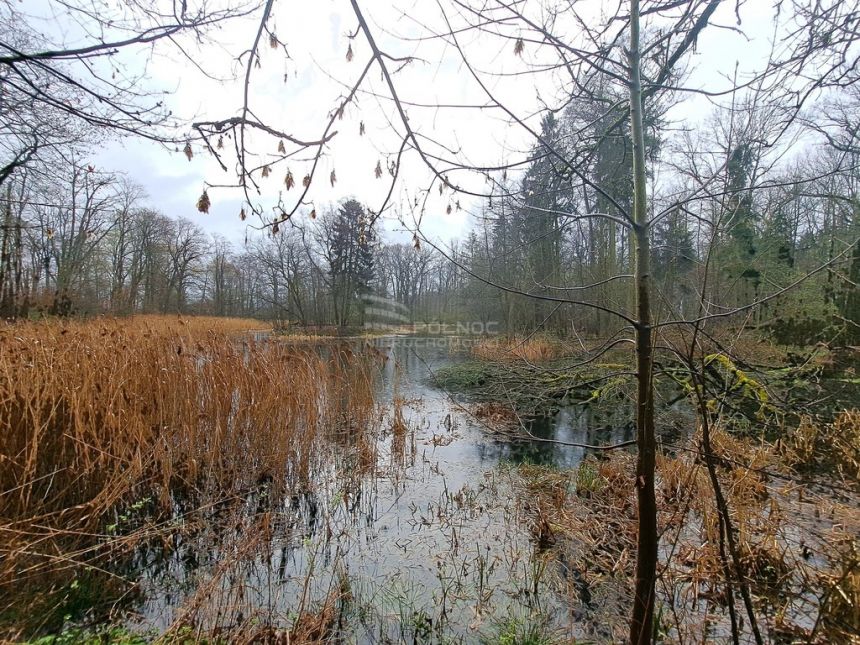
191, 325
797, 539
532, 349
103, 416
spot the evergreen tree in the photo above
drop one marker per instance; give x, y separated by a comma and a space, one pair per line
674, 259
544, 198
351, 242
739, 253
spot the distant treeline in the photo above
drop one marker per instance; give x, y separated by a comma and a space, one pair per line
76, 239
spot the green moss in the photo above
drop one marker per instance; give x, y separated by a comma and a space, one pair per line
521, 631
103, 635
108, 634
587, 479
467, 376
530, 389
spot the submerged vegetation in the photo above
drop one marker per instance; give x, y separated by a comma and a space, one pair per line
777, 442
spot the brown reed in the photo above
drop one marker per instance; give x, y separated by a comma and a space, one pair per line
98, 415
532, 349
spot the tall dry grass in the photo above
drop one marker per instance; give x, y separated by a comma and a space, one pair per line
533, 349
100, 416
177, 324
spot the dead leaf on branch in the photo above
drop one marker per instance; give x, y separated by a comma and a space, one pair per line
306, 181
281, 148
416, 243
265, 172
242, 215
519, 46
333, 178
188, 152
220, 144
314, 213
361, 129
349, 54
273, 41
448, 210
378, 170
203, 203
288, 180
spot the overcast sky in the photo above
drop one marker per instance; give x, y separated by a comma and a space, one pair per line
316, 35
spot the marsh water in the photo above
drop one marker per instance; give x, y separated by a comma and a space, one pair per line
430, 542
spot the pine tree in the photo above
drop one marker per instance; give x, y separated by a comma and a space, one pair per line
351, 249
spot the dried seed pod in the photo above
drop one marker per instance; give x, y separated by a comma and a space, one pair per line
203, 202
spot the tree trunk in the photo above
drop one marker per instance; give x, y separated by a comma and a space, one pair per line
641, 624
851, 307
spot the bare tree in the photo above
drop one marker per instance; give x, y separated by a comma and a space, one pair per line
97, 79
186, 246
285, 273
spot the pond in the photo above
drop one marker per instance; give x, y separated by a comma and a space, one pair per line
430, 543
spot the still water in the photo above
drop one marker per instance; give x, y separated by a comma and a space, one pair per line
430, 543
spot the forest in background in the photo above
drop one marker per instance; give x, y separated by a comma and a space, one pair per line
752, 210
80, 239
